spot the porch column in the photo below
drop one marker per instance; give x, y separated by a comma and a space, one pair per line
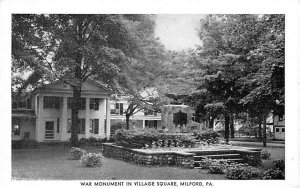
39, 120
64, 119
108, 118
87, 117
143, 124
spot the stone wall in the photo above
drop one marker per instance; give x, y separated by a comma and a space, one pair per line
144, 157
251, 157
167, 116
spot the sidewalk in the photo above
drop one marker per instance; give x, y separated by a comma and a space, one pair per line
243, 143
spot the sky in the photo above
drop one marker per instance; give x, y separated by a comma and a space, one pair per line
178, 31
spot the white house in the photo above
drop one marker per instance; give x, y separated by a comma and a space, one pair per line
45, 115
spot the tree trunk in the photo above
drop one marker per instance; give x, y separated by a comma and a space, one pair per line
227, 122
264, 131
74, 116
231, 126
259, 130
127, 121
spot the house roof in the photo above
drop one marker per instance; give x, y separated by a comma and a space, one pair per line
88, 87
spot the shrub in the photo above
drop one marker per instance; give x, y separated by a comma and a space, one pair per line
242, 172
92, 140
76, 153
273, 174
92, 159
83, 141
216, 169
279, 164
209, 137
277, 170
206, 163
265, 155
24, 144
151, 138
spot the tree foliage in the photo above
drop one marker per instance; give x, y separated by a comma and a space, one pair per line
74, 48
243, 61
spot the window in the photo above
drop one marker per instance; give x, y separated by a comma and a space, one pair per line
94, 103
277, 130
28, 103
151, 123
82, 103
94, 126
282, 130
51, 102
16, 126
57, 125
16, 129
21, 104
281, 117
81, 124
118, 109
14, 105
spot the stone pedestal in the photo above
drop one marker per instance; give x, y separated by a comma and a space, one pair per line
167, 116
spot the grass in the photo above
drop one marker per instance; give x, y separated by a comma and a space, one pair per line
52, 163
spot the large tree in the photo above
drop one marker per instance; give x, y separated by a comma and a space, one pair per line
74, 48
243, 59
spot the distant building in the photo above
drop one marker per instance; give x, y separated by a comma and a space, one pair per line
279, 126
140, 120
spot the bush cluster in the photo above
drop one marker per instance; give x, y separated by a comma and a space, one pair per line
92, 159
92, 141
265, 155
151, 138
210, 137
276, 172
76, 153
242, 172
22, 144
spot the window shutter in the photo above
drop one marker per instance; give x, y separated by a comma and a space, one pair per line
121, 108
44, 102
96, 104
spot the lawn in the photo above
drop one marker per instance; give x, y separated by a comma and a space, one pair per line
52, 163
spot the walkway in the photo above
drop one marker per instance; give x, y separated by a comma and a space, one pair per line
243, 143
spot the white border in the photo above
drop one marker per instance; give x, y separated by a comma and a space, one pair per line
288, 7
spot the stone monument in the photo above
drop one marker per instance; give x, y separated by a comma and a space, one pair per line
176, 116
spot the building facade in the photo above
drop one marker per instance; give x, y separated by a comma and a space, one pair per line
45, 114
